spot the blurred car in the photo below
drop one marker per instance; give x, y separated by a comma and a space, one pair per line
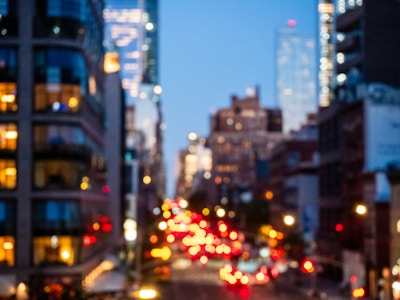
233, 277
265, 274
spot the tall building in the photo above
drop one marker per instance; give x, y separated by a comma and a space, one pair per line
356, 132
326, 11
132, 31
55, 219
240, 135
296, 77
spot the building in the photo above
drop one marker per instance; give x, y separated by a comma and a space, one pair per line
240, 136
296, 77
194, 172
354, 153
326, 11
55, 207
293, 182
132, 31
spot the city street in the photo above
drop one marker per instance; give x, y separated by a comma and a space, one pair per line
197, 282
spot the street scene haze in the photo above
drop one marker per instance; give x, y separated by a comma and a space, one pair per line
215, 149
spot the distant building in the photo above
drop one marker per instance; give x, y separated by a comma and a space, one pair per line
326, 14
356, 131
241, 135
55, 217
295, 77
194, 170
132, 31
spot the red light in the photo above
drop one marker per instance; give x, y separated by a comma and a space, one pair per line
89, 240
353, 278
339, 227
106, 227
106, 189
307, 266
275, 273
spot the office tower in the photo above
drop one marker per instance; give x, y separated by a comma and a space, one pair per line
132, 31
326, 10
296, 77
54, 209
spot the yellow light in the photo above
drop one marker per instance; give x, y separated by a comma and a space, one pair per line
164, 253
10, 171
166, 214
146, 179
269, 195
361, 209
65, 255
8, 246
84, 186
11, 134
96, 226
272, 234
147, 293
8, 98
289, 220
220, 212
162, 225
73, 102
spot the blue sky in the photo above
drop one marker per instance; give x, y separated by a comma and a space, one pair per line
213, 49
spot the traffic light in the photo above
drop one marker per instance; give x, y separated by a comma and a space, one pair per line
307, 266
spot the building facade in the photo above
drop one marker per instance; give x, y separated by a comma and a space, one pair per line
354, 153
54, 202
241, 135
296, 77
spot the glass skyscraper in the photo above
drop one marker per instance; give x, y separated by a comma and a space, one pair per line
296, 80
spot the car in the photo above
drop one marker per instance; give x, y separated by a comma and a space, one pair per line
233, 277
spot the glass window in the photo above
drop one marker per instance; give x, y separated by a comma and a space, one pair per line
60, 80
56, 216
58, 134
8, 79
8, 174
62, 19
7, 232
8, 20
55, 250
57, 174
8, 136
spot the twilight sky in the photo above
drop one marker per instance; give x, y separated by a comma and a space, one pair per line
212, 49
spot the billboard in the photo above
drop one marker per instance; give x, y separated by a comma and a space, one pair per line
382, 134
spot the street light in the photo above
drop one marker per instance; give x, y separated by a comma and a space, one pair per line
289, 220
361, 209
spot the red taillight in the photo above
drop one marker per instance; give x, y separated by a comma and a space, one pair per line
274, 272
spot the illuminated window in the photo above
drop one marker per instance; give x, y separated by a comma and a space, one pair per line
7, 256
60, 80
8, 174
51, 250
8, 137
8, 78
7, 229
